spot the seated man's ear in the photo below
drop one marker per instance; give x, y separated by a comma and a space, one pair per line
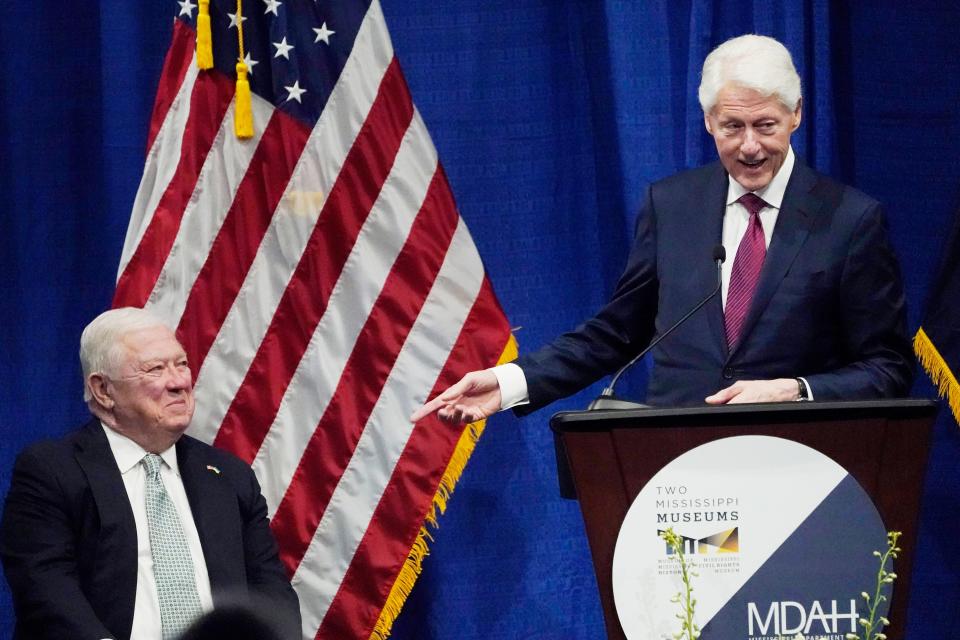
99, 386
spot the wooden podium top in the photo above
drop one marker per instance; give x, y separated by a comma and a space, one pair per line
728, 414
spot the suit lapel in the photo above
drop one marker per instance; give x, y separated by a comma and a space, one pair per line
118, 531
797, 212
716, 192
209, 499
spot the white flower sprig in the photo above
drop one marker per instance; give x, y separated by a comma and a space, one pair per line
688, 629
874, 625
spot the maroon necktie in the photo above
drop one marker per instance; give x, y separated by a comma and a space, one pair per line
746, 269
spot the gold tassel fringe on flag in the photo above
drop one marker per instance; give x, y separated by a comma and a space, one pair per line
413, 565
940, 373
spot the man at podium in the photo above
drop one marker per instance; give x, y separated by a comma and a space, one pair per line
810, 306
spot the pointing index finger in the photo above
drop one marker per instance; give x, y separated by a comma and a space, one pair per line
427, 408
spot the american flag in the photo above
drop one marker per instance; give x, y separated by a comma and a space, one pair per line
323, 285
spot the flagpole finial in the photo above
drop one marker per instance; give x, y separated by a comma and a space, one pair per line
204, 37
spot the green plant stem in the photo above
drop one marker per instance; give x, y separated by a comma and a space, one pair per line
686, 600
871, 632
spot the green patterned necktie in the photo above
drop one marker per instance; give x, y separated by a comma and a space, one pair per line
172, 564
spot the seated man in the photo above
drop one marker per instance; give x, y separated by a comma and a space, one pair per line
812, 305
127, 528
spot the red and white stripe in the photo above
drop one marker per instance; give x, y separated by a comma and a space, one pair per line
323, 285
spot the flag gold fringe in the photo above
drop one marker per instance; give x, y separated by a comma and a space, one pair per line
413, 565
936, 366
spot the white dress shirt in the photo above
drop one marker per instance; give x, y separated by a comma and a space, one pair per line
513, 384
146, 610
736, 218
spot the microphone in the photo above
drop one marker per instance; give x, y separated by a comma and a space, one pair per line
606, 400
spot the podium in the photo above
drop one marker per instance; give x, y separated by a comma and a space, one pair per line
612, 454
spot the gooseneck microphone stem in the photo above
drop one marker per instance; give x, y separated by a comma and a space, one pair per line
719, 255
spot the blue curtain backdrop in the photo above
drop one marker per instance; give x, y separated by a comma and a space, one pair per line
550, 117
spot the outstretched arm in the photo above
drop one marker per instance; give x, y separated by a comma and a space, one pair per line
475, 397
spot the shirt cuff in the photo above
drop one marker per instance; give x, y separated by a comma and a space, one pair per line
513, 385
809, 388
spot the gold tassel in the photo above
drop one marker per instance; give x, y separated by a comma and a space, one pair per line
243, 111
204, 39
242, 108
413, 565
934, 364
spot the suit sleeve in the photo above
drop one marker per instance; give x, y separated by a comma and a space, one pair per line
37, 543
872, 313
608, 340
266, 577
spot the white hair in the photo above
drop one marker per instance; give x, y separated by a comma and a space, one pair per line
750, 62
101, 343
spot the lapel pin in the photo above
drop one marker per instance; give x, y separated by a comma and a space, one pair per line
210, 467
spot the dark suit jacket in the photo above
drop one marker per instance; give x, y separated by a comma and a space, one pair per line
69, 542
829, 305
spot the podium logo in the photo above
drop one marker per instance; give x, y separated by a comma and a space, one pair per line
789, 618
727, 541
